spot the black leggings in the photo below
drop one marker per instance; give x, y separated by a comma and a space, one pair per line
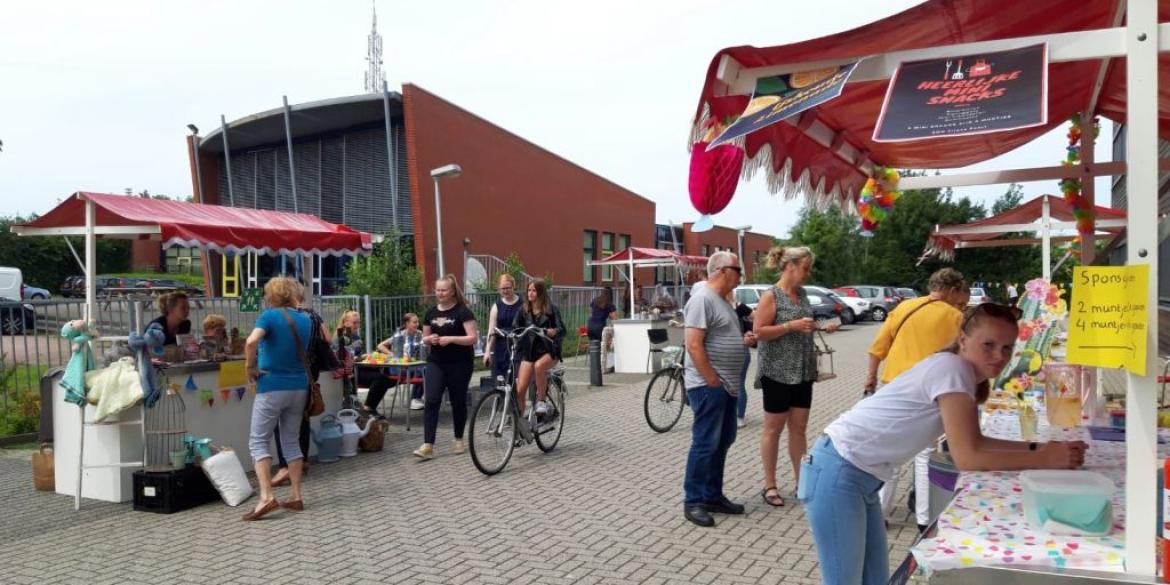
452, 378
303, 440
594, 330
379, 385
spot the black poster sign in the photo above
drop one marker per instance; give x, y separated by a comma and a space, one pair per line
965, 95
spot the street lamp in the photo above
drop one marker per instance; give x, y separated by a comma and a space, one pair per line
451, 170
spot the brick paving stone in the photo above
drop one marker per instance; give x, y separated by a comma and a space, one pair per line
604, 507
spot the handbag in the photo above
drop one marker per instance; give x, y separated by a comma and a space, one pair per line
315, 404
44, 478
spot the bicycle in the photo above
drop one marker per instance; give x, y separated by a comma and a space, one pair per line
666, 394
494, 433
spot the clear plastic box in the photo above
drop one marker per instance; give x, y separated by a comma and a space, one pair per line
1068, 501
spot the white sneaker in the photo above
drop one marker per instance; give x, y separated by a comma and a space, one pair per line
417, 404
740, 423
541, 407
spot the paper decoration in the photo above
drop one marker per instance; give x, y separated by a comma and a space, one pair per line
190, 385
232, 374
240, 392
225, 393
207, 396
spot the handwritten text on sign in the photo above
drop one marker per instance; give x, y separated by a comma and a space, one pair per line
1108, 317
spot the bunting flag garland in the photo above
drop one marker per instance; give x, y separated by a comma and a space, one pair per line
1083, 213
206, 395
191, 386
240, 392
225, 393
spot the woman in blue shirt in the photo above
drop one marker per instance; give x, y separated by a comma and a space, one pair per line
274, 365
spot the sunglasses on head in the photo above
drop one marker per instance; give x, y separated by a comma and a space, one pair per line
737, 269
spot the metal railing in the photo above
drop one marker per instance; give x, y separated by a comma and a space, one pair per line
28, 354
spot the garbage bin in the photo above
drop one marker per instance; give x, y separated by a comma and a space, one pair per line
943, 477
595, 365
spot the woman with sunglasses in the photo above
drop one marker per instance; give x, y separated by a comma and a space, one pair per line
502, 315
840, 478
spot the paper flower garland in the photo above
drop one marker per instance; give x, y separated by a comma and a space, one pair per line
714, 176
1083, 213
877, 198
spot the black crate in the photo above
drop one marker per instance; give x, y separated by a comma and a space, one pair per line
167, 492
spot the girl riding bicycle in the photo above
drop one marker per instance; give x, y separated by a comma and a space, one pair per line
538, 353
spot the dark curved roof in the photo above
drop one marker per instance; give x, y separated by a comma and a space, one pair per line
307, 119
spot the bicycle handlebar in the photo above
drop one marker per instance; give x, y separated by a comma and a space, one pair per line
517, 334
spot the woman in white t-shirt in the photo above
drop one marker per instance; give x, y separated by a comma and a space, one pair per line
841, 475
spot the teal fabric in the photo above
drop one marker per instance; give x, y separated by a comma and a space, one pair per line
73, 381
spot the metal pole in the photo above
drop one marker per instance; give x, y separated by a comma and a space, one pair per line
1046, 239
391, 155
368, 319
1141, 151
90, 264
198, 171
439, 231
292, 169
227, 158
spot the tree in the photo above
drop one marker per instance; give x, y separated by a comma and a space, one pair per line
46, 261
833, 237
388, 271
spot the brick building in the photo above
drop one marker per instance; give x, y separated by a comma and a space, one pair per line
353, 166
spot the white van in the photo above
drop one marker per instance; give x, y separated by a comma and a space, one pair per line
11, 284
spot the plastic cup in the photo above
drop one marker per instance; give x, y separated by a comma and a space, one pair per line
179, 459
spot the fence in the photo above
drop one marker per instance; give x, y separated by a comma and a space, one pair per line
26, 355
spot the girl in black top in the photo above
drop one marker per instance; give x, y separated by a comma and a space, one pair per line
600, 310
539, 354
450, 331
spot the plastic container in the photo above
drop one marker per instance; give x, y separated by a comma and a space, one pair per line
1068, 501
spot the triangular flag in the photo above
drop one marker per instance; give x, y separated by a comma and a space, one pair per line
225, 393
240, 392
207, 396
191, 383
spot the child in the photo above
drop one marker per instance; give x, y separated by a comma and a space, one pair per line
215, 340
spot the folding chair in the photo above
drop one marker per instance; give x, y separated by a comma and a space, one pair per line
658, 341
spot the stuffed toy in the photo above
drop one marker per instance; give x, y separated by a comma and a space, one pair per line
79, 333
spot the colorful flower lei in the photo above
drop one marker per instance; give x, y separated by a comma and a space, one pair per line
877, 198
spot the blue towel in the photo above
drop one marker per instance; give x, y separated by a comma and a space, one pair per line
151, 341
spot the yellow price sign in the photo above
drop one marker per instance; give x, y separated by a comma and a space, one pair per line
1108, 317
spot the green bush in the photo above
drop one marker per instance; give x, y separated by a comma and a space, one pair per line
21, 399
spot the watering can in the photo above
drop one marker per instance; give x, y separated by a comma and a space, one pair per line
351, 433
327, 439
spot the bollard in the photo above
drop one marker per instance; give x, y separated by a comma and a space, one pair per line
595, 364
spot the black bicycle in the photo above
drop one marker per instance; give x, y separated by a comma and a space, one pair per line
497, 427
666, 394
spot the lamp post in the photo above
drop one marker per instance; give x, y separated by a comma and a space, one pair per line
740, 232
451, 170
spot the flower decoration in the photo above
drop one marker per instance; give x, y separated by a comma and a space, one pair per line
877, 198
714, 175
1083, 213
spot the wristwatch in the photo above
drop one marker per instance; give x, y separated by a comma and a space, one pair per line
1032, 446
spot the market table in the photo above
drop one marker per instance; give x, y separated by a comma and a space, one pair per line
400, 372
984, 526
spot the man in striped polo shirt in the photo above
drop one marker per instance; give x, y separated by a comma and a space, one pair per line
714, 360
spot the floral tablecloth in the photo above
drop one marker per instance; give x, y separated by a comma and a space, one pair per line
985, 525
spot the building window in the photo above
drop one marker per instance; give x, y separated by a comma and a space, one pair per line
183, 261
706, 250
590, 254
606, 252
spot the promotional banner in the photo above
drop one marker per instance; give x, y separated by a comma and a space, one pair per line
782, 96
1107, 324
965, 95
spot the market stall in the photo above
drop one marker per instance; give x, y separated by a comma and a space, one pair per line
216, 398
631, 338
1084, 60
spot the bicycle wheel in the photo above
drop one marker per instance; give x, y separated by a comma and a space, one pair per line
665, 398
492, 435
549, 434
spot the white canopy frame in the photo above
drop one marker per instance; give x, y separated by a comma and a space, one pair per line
631, 263
1139, 40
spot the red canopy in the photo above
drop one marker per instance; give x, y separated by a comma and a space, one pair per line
798, 163
210, 227
944, 239
642, 257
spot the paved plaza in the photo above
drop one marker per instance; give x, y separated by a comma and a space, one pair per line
604, 507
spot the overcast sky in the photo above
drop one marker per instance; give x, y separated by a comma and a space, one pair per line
96, 96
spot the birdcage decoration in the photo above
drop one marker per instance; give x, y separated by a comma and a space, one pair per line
166, 424
824, 356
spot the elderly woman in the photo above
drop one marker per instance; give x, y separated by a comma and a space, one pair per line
275, 357
175, 308
787, 364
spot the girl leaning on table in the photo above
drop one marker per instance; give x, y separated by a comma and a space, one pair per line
841, 475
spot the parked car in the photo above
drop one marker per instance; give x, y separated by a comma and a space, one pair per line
16, 317
749, 294
73, 286
36, 293
978, 297
882, 299
11, 283
825, 308
907, 293
855, 309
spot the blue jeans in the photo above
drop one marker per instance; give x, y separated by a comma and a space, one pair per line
845, 513
712, 434
741, 401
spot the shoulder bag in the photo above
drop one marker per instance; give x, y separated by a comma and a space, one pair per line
315, 404
898, 330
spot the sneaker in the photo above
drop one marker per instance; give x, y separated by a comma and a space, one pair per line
417, 404
740, 423
541, 407
425, 452
459, 448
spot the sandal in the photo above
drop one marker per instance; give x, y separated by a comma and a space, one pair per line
774, 500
